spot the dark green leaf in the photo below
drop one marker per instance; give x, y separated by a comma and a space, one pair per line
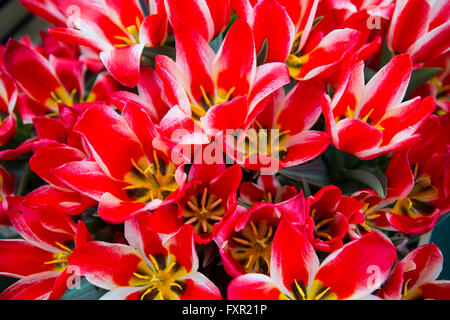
370, 177
316, 21
216, 43
368, 74
160, 50
420, 76
386, 55
86, 291
315, 173
262, 54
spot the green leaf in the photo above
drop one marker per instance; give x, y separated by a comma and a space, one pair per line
216, 43
314, 173
262, 54
420, 76
386, 55
86, 291
369, 74
149, 54
316, 21
370, 177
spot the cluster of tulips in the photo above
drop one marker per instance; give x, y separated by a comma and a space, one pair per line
226, 149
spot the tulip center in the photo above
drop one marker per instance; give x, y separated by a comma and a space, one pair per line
252, 247
60, 258
317, 292
265, 142
321, 226
207, 102
161, 279
133, 35
203, 211
420, 200
151, 181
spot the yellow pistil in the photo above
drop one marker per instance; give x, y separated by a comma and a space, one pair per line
265, 142
252, 246
60, 258
321, 225
420, 200
203, 211
161, 279
207, 102
295, 63
133, 35
317, 292
151, 181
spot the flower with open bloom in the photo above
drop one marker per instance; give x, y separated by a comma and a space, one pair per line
281, 134
369, 120
211, 93
331, 212
48, 82
130, 178
245, 237
116, 29
414, 278
208, 197
40, 259
425, 37
284, 24
152, 267
297, 274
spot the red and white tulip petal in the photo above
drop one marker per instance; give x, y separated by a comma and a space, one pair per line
48, 158
410, 225
34, 287
154, 30
269, 78
355, 136
181, 246
431, 45
124, 63
293, 258
253, 287
305, 146
70, 73
378, 93
358, 268
115, 210
437, 290
50, 128
400, 177
165, 219
46, 9
114, 161
106, 265
195, 58
123, 293
34, 73
235, 62
125, 11
87, 178
229, 115
306, 94
422, 265
175, 83
199, 287
269, 20
198, 18
405, 31
19, 258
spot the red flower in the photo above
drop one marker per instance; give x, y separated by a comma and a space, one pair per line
414, 278
426, 36
369, 120
208, 197
267, 189
150, 268
280, 136
331, 212
245, 237
40, 260
210, 92
48, 82
130, 178
295, 272
8, 98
